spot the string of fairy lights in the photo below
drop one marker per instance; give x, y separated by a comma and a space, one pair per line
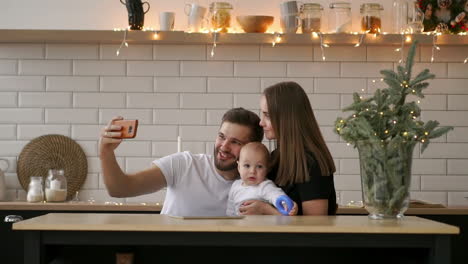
278, 36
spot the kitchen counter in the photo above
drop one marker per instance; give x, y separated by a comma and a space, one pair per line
353, 237
156, 207
252, 223
456, 216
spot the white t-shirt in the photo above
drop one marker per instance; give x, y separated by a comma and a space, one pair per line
194, 188
266, 191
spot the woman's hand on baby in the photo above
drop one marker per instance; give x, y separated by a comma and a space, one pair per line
256, 207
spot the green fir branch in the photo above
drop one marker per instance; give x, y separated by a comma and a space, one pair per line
386, 116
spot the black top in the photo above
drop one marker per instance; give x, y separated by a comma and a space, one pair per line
318, 187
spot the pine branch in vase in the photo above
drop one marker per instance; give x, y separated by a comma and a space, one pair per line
385, 128
387, 115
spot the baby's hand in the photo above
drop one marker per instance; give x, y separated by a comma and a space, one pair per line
294, 209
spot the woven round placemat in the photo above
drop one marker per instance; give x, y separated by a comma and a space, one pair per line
53, 152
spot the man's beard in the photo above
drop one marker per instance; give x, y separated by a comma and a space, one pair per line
223, 167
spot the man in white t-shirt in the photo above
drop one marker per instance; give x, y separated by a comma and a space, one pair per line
197, 184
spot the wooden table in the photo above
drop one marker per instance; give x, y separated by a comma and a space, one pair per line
301, 232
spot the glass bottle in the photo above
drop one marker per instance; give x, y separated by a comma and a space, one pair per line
340, 20
311, 15
35, 190
220, 13
415, 17
370, 18
56, 186
400, 16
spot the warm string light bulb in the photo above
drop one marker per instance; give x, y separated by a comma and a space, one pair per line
401, 48
434, 46
124, 42
322, 45
276, 39
360, 39
215, 39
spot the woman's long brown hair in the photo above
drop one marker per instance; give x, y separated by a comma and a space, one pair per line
296, 131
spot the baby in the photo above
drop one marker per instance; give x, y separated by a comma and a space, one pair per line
253, 165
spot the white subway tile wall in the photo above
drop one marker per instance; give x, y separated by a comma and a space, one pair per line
180, 90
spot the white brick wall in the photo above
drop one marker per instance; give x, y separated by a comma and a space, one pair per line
74, 89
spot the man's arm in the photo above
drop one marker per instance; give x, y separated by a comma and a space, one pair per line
120, 184
117, 182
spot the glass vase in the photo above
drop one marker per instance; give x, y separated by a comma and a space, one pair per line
385, 176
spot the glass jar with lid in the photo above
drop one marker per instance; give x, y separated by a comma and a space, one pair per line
35, 190
340, 19
370, 18
56, 186
415, 17
220, 16
311, 16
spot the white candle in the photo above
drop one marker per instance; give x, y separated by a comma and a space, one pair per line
178, 144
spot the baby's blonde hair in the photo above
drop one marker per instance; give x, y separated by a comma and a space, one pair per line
257, 147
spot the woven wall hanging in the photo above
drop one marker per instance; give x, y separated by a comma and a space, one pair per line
53, 152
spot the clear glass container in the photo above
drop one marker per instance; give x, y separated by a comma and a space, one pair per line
371, 21
220, 16
340, 20
56, 186
35, 190
311, 16
415, 17
400, 15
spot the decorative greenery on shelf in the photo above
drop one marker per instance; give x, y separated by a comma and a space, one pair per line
445, 16
386, 116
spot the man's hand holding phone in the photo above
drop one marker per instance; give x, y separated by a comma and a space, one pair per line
116, 130
128, 128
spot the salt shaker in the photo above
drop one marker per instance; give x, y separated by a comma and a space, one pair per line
56, 186
35, 190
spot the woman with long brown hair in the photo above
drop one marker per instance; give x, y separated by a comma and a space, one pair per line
302, 164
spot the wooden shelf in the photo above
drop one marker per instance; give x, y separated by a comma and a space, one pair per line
180, 37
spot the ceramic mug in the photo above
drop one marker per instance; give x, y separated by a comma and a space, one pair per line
136, 13
289, 8
166, 21
196, 14
290, 23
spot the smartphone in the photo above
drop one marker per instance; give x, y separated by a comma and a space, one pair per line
129, 127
